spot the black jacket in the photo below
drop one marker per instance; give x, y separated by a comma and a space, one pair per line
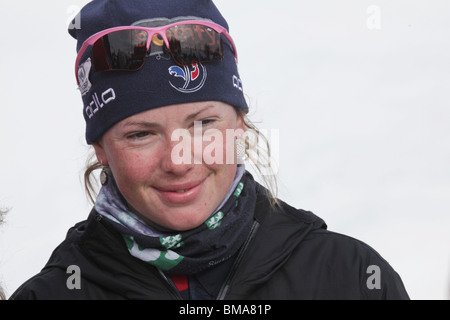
288, 255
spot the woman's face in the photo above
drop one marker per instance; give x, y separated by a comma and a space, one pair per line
171, 177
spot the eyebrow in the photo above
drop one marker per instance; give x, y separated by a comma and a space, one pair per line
143, 124
146, 124
194, 115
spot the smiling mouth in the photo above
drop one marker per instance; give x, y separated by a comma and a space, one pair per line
182, 193
180, 188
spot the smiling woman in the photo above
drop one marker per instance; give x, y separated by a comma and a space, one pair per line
139, 154
248, 139
178, 216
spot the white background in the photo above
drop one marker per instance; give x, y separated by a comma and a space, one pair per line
363, 116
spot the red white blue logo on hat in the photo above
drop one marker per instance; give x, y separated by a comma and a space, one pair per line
188, 79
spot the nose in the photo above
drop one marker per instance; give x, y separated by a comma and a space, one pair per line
177, 156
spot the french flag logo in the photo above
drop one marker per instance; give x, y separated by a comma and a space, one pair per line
188, 79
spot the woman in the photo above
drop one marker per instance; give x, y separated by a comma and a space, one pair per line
178, 216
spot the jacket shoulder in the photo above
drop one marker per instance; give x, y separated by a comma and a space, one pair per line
49, 284
352, 262
282, 212
52, 281
308, 261
93, 263
64, 272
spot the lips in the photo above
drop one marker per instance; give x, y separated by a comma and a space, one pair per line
179, 187
180, 193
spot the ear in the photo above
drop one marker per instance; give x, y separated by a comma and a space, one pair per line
100, 153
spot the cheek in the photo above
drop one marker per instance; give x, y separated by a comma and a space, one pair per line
219, 157
219, 147
131, 168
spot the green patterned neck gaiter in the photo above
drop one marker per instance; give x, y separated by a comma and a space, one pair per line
187, 252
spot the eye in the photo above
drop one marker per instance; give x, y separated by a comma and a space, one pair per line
138, 135
206, 122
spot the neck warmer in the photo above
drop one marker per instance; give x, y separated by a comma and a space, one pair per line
185, 252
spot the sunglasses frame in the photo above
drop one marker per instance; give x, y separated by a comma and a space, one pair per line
151, 32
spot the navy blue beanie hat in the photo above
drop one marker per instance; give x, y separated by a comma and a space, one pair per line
109, 97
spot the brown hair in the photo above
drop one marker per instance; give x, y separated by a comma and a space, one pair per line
256, 151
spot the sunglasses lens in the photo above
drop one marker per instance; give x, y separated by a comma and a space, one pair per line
194, 43
120, 50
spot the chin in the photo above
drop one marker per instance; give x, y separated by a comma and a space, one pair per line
181, 219
187, 223
199, 218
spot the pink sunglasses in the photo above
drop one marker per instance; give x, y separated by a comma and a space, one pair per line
125, 48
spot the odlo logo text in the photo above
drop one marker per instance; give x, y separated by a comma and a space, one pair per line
99, 102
